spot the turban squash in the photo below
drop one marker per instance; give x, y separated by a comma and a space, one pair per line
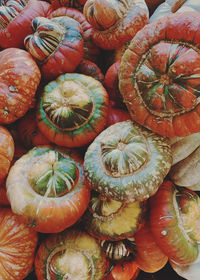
71, 254
127, 162
72, 110
174, 222
159, 75
19, 80
115, 22
46, 188
56, 45
15, 20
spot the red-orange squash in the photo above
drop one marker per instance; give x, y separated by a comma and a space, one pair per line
115, 22
148, 256
15, 20
19, 80
71, 254
72, 110
174, 222
91, 51
6, 151
56, 44
159, 75
17, 246
46, 189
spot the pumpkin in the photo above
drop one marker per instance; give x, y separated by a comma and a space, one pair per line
91, 51
19, 80
72, 110
174, 222
127, 270
7, 149
46, 189
174, 6
71, 254
16, 17
159, 75
112, 220
127, 162
18, 245
28, 131
115, 22
182, 147
56, 44
148, 256
186, 172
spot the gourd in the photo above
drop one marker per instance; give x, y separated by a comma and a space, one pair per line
72, 110
19, 80
115, 22
159, 75
46, 188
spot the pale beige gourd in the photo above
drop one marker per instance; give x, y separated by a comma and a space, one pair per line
183, 146
186, 173
174, 6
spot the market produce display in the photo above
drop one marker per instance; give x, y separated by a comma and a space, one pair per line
99, 139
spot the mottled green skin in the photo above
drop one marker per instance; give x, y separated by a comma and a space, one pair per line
131, 171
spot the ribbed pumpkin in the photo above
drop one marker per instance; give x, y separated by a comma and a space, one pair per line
19, 80
115, 22
72, 110
18, 244
174, 222
109, 219
71, 254
46, 188
159, 75
91, 51
56, 44
15, 20
127, 162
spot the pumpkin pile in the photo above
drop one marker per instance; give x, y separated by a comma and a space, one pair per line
99, 139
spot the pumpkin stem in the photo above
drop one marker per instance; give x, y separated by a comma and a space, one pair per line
177, 5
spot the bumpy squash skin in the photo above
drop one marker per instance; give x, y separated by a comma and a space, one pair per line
46, 189
72, 110
159, 75
127, 162
19, 80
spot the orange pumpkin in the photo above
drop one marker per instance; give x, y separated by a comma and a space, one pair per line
46, 189
6, 151
115, 22
159, 75
19, 79
17, 246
